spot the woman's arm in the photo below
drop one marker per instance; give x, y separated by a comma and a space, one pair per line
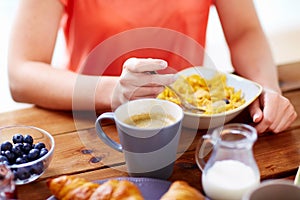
32, 78
250, 53
252, 58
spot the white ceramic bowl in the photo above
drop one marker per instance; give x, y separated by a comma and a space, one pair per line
32, 169
274, 190
250, 90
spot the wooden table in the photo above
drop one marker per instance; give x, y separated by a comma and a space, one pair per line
79, 152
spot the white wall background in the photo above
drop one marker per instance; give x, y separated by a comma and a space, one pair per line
7, 12
280, 20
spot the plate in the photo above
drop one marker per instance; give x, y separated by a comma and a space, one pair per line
151, 189
251, 90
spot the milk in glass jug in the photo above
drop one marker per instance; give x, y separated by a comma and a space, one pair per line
231, 169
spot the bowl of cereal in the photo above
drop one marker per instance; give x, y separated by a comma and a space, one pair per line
26, 150
222, 95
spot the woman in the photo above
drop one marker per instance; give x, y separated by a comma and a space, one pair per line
90, 23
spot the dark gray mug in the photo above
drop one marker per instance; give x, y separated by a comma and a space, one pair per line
149, 145
274, 190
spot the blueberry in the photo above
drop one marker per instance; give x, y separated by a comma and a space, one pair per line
226, 101
21, 160
33, 154
39, 145
15, 175
10, 155
25, 156
27, 147
22, 173
6, 146
3, 158
37, 168
6, 163
17, 138
43, 152
28, 139
17, 150
19, 145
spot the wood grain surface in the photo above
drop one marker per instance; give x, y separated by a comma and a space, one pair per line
80, 152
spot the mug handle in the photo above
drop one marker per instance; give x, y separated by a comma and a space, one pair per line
102, 135
202, 150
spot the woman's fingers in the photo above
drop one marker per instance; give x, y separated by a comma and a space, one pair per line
139, 65
255, 111
142, 92
146, 79
278, 112
136, 82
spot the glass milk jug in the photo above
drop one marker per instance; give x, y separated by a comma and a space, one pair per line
231, 169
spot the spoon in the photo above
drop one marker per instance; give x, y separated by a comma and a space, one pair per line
185, 104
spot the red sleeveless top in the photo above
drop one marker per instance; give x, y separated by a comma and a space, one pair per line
102, 34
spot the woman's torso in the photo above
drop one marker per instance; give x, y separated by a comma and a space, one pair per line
114, 30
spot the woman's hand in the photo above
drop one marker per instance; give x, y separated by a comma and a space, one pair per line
272, 112
136, 82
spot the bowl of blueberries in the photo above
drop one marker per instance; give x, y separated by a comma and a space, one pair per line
26, 150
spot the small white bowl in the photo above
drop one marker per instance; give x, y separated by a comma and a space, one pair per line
274, 190
250, 90
30, 170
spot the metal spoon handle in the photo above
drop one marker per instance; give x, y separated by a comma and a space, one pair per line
185, 104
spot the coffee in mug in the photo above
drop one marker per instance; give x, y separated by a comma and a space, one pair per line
149, 132
150, 120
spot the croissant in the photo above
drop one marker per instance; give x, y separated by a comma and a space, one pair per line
180, 190
117, 190
70, 187
75, 188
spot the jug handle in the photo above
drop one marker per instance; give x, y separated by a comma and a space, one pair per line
202, 150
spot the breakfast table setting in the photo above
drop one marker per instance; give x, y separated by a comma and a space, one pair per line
84, 145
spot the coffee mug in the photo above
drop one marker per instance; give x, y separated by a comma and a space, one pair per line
274, 190
149, 132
